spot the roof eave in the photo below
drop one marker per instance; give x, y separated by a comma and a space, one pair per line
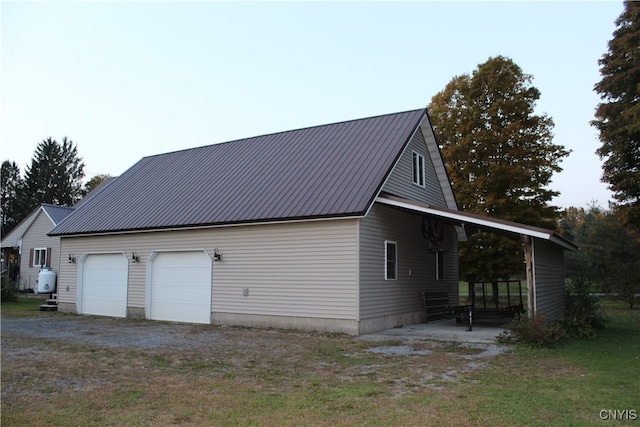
211, 225
483, 222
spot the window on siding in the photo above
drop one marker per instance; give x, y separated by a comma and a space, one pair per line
391, 260
39, 257
439, 265
418, 169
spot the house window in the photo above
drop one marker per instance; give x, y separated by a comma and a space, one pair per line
418, 169
39, 257
439, 265
391, 260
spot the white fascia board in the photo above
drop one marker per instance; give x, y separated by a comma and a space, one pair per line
464, 219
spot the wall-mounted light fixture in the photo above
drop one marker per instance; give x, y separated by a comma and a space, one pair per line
72, 259
134, 257
216, 255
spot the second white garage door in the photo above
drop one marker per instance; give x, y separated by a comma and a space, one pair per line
104, 285
181, 287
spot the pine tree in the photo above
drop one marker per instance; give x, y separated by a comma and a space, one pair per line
54, 176
500, 158
11, 184
618, 116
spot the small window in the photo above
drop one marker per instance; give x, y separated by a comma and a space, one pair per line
391, 260
39, 257
439, 265
418, 169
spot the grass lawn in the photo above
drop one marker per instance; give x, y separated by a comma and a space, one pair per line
270, 377
23, 307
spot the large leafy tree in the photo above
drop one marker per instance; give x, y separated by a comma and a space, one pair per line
94, 182
54, 176
500, 158
11, 183
608, 259
618, 116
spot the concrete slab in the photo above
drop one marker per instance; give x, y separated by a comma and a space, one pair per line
442, 330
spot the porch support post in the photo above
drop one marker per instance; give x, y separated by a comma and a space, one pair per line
528, 261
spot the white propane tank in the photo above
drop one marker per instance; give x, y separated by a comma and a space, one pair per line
46, 282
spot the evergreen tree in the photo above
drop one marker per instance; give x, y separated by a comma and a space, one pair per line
500, 159
11, 183
618, 116
54, 176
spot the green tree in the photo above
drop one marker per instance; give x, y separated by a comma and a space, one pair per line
54, 176
500, 159
609, 256
95, 182
11, 183
618, 116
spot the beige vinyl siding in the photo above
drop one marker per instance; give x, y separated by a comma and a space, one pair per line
416, 264
36, 237
290, 269
124, 244
400, 181
549, 278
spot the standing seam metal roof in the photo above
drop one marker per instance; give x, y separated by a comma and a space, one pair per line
57, 213
323, 171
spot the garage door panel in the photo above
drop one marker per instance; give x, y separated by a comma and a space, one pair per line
104, 285
181, 287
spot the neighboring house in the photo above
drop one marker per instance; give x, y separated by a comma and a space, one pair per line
27, 248
318, 228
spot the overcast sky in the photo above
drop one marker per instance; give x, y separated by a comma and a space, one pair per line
125, 80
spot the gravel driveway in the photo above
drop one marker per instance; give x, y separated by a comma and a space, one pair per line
143, 334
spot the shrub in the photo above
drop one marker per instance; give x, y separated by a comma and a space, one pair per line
582, 312
537, 331
9, 289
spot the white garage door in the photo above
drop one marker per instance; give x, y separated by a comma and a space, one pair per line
104, 285
181, 287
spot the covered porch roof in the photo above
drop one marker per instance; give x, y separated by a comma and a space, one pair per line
525, 233
484, 223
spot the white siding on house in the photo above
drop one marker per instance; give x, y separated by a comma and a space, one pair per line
400, 181
36, 237
306, 269
549, 278
416, 263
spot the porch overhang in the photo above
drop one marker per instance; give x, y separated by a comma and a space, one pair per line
485, 223
525, 233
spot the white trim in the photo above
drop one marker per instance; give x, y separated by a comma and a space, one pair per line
395, 165
386, 260
465, 219
438, 163
206, 227
420, 159
48, 216
149, 277
80, 276
33, 261
440, 260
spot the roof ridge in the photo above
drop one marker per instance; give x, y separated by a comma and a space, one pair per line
254, 137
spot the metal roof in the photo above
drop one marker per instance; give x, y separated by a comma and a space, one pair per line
333, 170
55, 214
